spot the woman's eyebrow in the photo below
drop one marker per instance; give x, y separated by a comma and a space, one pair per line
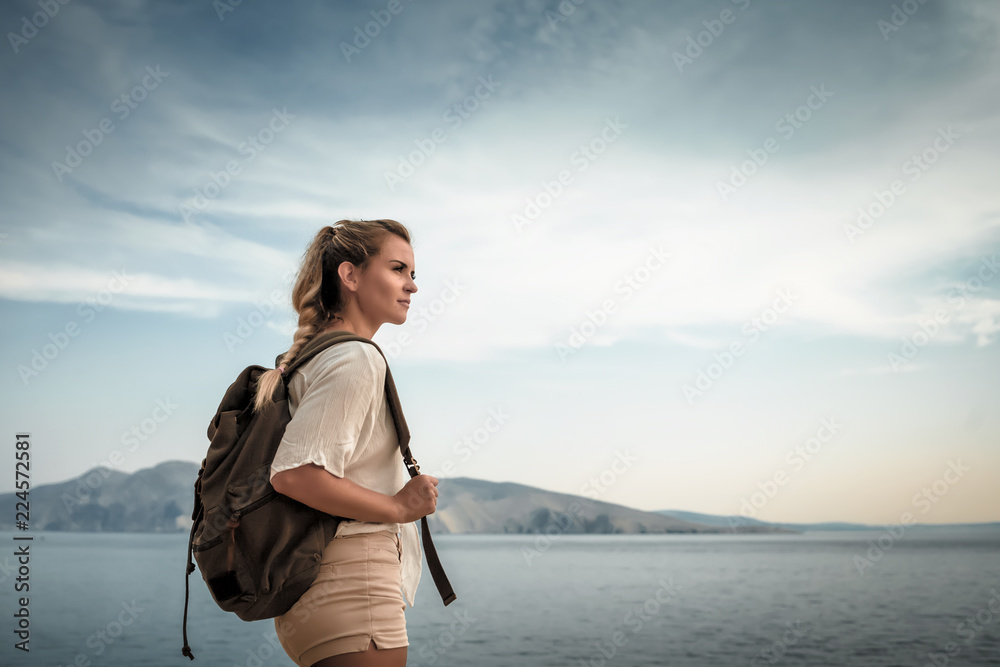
399, 261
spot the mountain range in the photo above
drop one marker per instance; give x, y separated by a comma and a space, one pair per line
161, 498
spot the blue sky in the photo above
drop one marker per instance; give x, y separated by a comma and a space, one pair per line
692, 255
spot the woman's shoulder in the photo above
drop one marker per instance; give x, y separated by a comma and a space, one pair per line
349, 353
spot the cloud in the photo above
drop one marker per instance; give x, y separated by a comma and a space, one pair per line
559, 85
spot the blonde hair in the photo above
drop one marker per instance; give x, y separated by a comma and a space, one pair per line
316, 296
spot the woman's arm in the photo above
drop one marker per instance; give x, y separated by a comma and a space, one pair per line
318, 488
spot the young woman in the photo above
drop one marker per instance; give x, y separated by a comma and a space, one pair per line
340, 452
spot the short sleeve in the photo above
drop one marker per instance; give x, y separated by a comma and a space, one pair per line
340, 389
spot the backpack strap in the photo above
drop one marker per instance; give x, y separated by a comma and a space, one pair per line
320, 342
199, 509
314, 346
433, 562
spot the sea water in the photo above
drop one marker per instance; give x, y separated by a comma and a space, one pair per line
928, 597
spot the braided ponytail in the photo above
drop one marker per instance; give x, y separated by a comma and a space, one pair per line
316, 296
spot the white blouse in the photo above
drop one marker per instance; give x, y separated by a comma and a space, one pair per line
341, 422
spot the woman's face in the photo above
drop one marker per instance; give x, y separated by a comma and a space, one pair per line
387, 283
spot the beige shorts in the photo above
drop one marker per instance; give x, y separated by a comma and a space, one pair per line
355, 599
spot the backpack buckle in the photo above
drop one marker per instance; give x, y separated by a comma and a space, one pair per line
413, 464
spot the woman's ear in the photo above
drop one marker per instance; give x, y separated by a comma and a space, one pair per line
348, 276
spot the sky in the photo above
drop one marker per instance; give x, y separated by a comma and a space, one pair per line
734, 257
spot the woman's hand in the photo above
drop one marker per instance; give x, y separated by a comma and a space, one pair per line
417, 499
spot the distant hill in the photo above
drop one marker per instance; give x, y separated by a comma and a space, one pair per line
477, 506
160, 499
737, 520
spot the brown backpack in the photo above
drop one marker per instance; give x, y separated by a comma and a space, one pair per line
259, 550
